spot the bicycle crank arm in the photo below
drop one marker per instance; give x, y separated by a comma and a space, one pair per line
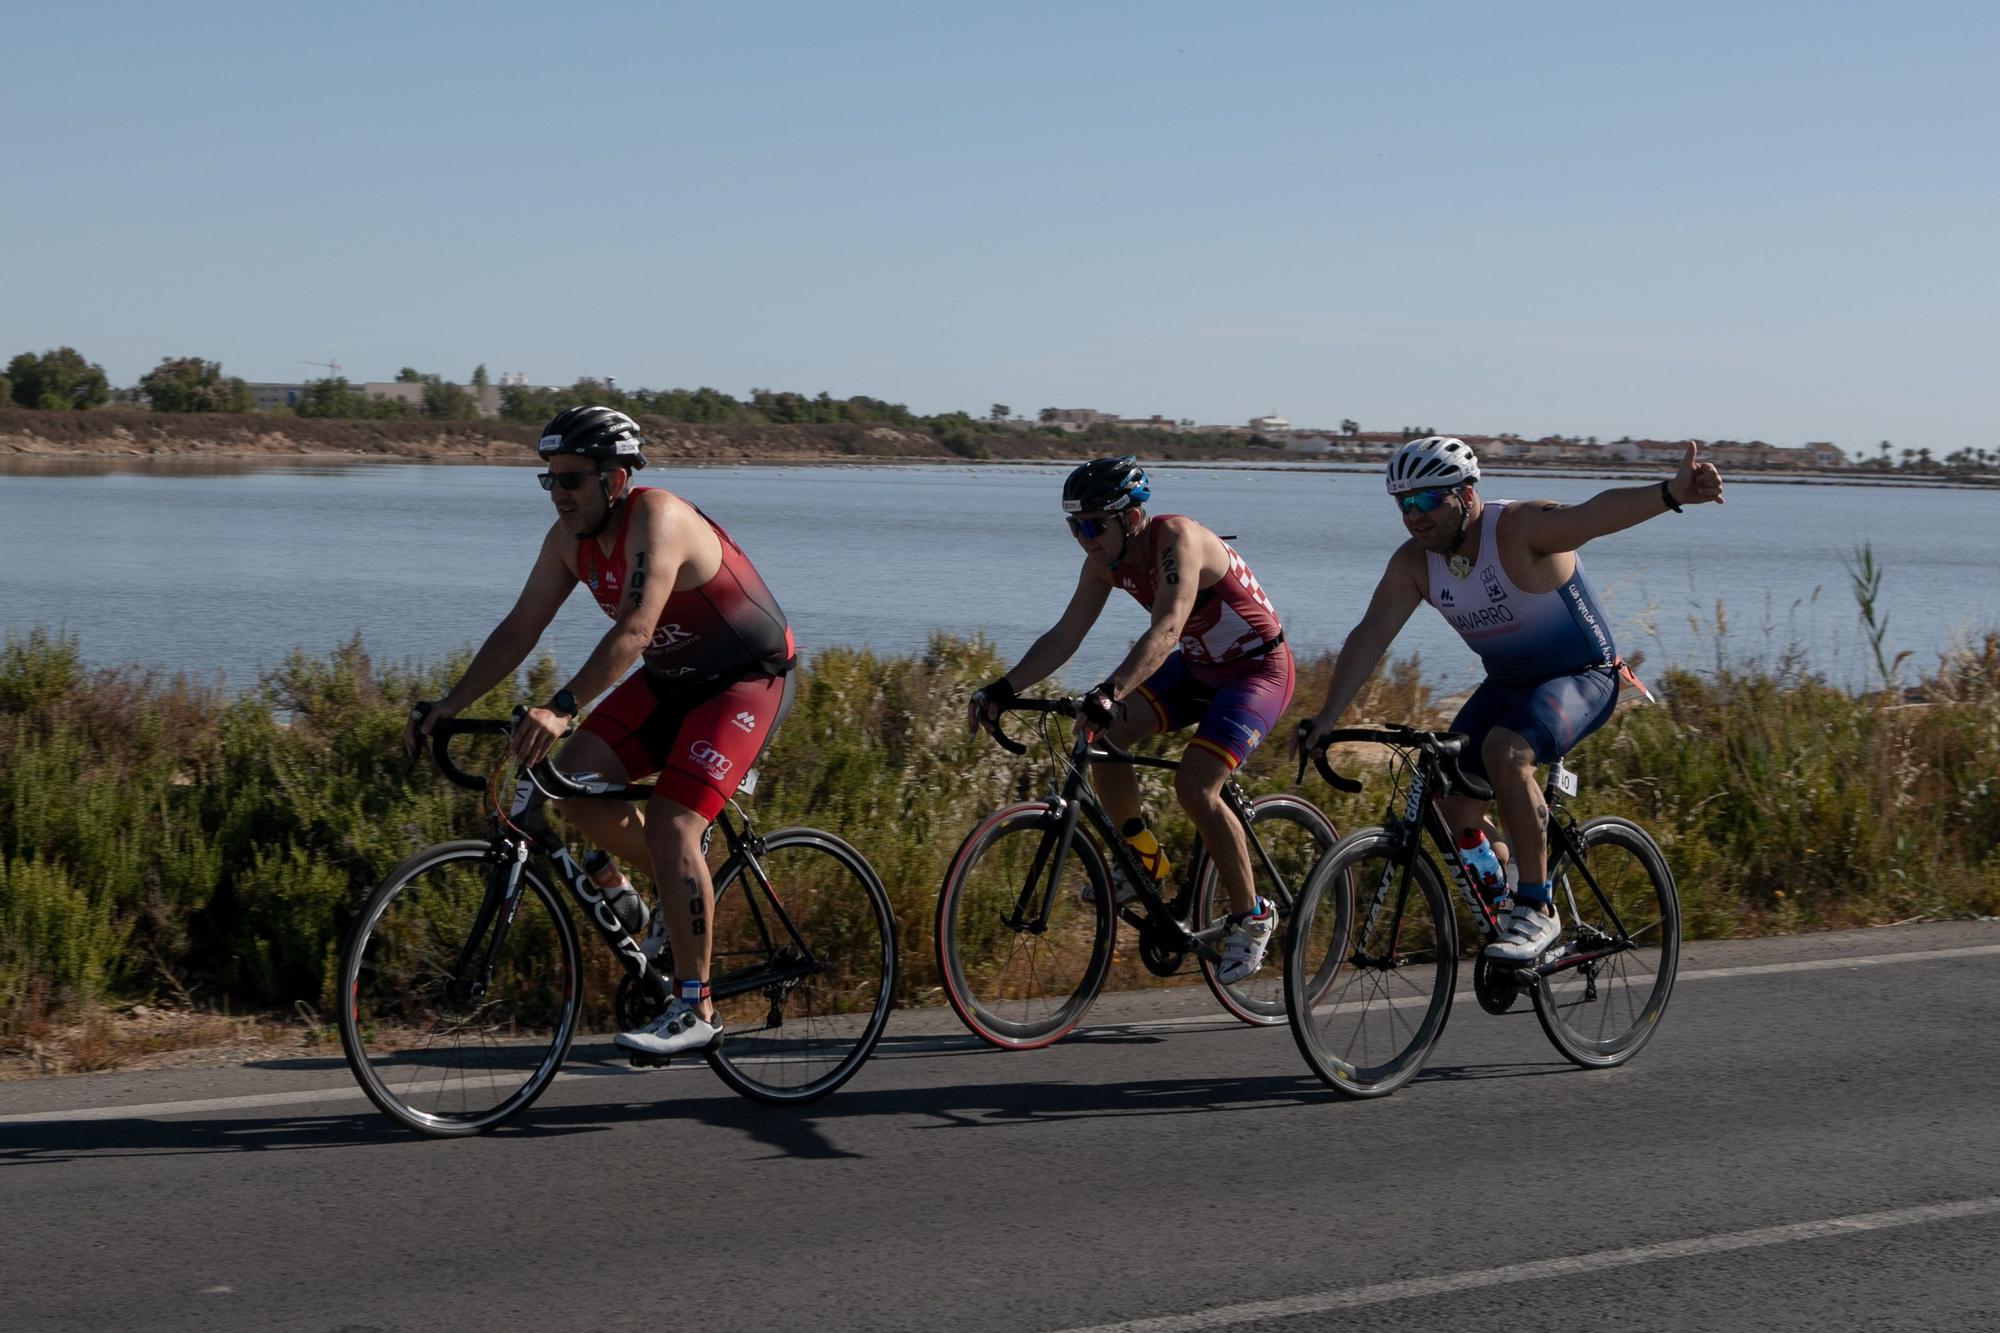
1570, 960
641, 1060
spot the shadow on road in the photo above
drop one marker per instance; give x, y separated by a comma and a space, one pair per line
1000, 1093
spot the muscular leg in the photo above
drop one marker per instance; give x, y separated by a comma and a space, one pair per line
687, 896
1199, 787
1117, 785
1510, 768
616, 826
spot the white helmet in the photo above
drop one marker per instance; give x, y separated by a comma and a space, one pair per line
1435, 460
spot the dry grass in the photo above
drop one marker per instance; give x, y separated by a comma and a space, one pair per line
103, 1037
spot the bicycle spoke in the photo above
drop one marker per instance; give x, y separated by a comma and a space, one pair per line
445, 1065
1601, 1011
1368, 1029
1288, 836
813, 932
1020, 987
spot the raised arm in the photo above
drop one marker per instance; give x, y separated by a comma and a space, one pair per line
1550, 529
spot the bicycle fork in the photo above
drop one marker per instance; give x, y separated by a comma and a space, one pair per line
490, 924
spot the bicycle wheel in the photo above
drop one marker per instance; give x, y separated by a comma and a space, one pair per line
449, 1056
1603, 998
1018, 978
1294, 835
1392, 950
803, 968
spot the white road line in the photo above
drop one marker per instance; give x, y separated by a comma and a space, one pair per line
146, 1111
1833, 964
307, 1096
1543, 1269
1466, 996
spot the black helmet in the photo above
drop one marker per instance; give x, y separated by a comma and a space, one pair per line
1105, 486
600, 433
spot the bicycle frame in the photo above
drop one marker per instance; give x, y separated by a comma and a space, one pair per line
524, 829
1423, 810
1074, 800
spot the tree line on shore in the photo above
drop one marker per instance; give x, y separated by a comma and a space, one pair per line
62, 379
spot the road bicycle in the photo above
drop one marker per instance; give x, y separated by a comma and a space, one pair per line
1028, 912
1376, 911
463, 983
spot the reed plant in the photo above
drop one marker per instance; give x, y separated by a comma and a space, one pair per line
159, 837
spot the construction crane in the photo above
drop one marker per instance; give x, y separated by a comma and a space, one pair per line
332, 367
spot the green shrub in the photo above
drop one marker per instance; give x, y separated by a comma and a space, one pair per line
155, 835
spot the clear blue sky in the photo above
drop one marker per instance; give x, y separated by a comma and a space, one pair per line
1710, 219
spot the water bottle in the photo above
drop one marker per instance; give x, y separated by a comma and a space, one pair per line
1146, 847
623, 899
1483, 863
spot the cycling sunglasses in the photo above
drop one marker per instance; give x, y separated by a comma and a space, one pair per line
1421, 502
1088, 528
569, 481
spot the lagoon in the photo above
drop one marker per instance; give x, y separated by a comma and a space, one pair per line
221, 573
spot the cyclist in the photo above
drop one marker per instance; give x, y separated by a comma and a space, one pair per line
1506, 575
715, 655
1214, 655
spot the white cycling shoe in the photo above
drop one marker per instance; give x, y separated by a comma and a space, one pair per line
679, 1029
1526, 935
1243, 947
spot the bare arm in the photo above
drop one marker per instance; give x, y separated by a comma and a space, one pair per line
1396, 596
1056, 646
1061, 641
1550, 529
656, 544
1179, 579
549, 582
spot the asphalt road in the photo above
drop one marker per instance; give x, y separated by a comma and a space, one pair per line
1811, 1142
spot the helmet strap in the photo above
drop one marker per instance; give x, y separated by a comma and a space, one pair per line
610, 506
1124, 538
1460, 565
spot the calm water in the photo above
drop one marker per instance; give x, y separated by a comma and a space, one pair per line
227, 573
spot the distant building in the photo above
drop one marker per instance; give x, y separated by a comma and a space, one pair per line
486, 400
1270, 424
264, 397
1825, 455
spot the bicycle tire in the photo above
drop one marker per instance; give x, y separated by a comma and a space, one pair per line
1354, 1030
1601, 1014
1015, 987
797, 1038
1259, 999
446, 1066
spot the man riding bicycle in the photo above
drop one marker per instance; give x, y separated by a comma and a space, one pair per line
1214, 655
1506, 575
715, 655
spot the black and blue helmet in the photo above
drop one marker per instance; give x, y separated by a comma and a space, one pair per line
1105, 486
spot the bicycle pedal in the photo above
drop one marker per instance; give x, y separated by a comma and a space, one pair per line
641, 1060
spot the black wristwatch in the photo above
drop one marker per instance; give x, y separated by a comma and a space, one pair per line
1667, 494
564, 702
